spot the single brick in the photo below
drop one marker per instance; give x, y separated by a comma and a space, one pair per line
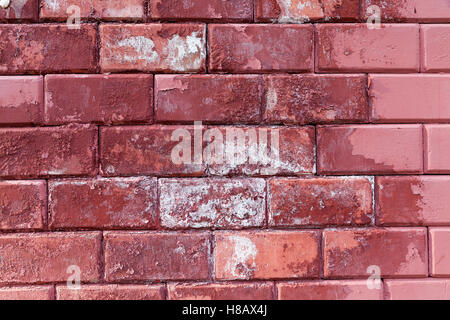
23, 205
440, 252
149, 150
231, 10
221, 291
46, 48
206, 203
46, 257
409, 10
356, 48
300, 99
301, 11
328, 290
156, 256
260, 150
210, 98
436, 47
33, 152
20, 10
267, 255
101, 99
410, 98
27, 293
153, 47
320, 201
260, 48
420, 289
22, 100
395, 251
103, 203
100, 9
437, 148
413, 200
111, 292
370, 149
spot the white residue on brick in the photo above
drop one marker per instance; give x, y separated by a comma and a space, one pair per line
242, 262
185, 53
144, 48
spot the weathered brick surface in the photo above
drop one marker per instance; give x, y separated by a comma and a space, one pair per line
27, 293
418, 289
437, 148
111, 292
98, 99
23, 10
435, 47
440, 252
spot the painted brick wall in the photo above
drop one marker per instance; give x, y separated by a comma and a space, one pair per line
105, 178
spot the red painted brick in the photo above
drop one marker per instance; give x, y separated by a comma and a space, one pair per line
221, 291
33, 152
420, 289
413, 200
437, 148
267, 255
22, 100
260, 48
264, 151
46, 48
99, 9
209, 98
27, 293
98, 98
396, 251
370, 149
436, 47
300, 99
356, 48
211, 10
410, 98
111, 292
156, 256
320, 202
23, 205
218, 203
22, 10
328, 290
440, 252
410, 10
103, 203
145, 150
300, 11
153, 47
45, 257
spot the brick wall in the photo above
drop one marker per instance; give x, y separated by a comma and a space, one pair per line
93, 116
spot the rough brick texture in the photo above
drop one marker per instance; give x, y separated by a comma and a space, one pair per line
224, 149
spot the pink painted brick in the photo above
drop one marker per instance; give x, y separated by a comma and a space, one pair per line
435, 48
210, 10
221, 291
23, 205
111, 292
356, 48
206, 203
397, 252
410, 98
413, 200
20, 10
437, 148
153, 47
328, 290
440, 252
410, 10
107, 10
22, 100
302, 99
420, 289
209, 98
366, 149
101, 99
260, 48
27, 293
103, 203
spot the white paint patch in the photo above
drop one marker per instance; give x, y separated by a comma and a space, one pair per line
293, 16
4, 3
52, 4
144, 48
242, 262
180, 52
